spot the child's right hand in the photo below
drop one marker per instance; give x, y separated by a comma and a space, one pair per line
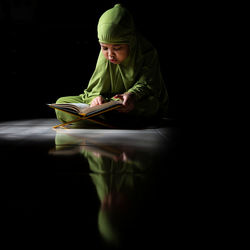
97, 101
128, 101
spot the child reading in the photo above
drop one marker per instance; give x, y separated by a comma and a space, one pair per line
127, 69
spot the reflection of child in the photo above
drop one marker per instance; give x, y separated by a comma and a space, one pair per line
127, 68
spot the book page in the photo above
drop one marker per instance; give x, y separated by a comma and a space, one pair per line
100, 108
83, 109
80, 106
74, 108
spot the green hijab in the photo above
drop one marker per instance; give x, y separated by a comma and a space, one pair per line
139, 73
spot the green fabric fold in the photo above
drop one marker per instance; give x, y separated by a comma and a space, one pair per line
139, 73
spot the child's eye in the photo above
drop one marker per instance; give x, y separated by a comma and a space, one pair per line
104, 48
117, 48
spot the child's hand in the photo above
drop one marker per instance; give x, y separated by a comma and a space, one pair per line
128, 101
97, 101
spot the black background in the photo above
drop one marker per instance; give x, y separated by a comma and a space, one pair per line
50, 50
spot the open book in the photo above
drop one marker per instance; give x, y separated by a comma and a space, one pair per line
84, 110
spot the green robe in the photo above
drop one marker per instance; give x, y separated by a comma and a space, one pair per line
139, 73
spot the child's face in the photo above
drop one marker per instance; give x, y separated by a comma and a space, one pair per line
115, 53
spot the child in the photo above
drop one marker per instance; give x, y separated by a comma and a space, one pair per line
127, 69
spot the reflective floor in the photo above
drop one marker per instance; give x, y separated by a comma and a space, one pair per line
102, 188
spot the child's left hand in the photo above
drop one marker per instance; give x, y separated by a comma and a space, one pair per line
128, 101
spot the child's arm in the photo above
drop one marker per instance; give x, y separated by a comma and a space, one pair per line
149, 78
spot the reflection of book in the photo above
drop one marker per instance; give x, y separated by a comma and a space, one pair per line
70, 144
84, 110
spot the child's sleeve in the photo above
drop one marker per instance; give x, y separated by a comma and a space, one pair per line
98, 83
150, 81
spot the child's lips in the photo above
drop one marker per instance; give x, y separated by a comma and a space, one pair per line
113, 60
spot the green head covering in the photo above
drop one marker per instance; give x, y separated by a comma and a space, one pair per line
116, 26
139, 73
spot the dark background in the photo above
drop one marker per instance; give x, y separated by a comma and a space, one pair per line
50, 50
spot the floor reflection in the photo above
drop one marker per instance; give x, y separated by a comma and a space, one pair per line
123, 169
118, 185
131, 151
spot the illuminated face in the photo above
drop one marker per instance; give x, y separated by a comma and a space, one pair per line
115, 53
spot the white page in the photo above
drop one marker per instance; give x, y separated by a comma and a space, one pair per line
80, 105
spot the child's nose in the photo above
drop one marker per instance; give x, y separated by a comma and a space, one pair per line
110, 53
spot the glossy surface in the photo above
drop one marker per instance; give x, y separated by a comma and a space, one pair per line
103, 188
